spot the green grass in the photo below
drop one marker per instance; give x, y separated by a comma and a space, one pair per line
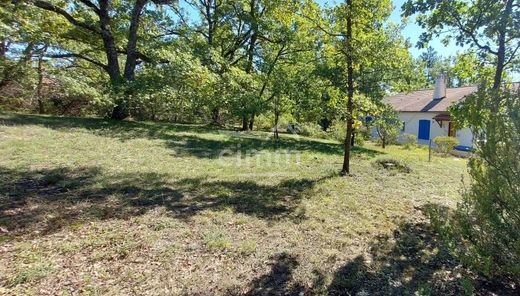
139, 207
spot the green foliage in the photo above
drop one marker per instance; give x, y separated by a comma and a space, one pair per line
445, 144
387, 125
338, 130
314, 130
409, 141
489, 26
265, 122
485, 229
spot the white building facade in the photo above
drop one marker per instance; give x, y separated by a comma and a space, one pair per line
413, 120
425, 113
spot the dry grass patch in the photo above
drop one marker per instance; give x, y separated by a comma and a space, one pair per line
100, 207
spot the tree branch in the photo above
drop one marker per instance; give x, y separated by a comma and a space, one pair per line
88, 3
513, 54
79, 56
47, 6
471, 34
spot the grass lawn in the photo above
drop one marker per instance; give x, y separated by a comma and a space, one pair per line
90, 206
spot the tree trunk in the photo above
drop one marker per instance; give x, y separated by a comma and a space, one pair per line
215, 116
244, 123
383, 142
131, 50
3, 49
120, 110
501, 59
276, 121
109, 43
252, 121
250, 54
350, 95
501, 53
39, 87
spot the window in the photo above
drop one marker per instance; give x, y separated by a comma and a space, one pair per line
404, 126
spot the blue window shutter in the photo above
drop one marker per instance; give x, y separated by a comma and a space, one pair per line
424, 130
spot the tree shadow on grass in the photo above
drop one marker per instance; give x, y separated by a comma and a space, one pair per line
413, 261
44, 201
178, 138
279, 280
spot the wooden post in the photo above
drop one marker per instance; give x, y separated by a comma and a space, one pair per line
430, 151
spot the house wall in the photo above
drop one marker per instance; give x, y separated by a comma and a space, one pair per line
411, 126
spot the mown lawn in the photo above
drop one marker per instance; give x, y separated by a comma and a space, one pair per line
90, 206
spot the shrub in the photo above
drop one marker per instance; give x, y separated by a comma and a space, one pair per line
387, 125
445, 144
359, 140
338, 130
484, 231
264, 122
387, 137
409, 141
312, 130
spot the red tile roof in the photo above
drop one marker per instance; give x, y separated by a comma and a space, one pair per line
422, 100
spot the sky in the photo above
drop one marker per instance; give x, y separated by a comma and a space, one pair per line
412, 31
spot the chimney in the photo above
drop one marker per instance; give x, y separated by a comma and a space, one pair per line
440, 88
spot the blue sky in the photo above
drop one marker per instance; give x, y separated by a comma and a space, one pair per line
412, 31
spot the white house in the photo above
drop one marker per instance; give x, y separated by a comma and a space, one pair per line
424, 113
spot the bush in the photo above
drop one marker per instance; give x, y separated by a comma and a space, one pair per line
485, 230
387, 125
313, 130
265, 122
409, 141
390, 137
338, 130
445, 144
359, 140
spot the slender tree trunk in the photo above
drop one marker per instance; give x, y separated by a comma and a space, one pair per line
501, 53
251, 50
3, 49
215, 116
244, 123
252, 121
350, 95
276, 122
501, 59
39, 87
